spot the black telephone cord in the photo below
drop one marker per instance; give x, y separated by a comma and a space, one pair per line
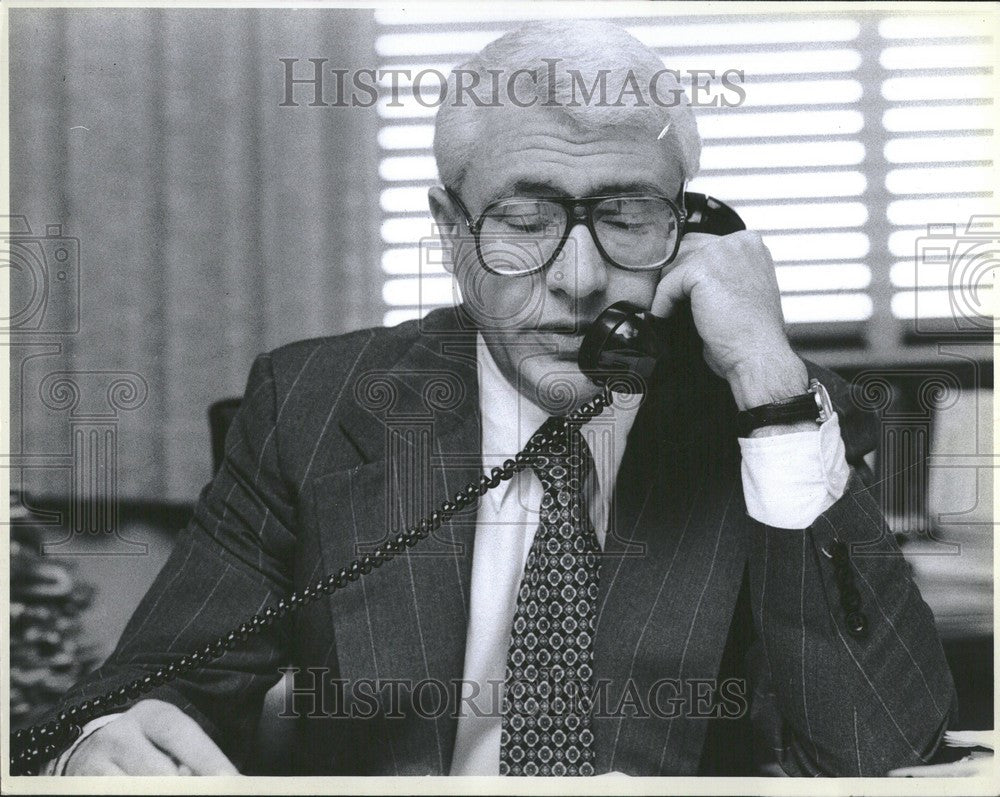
32, 747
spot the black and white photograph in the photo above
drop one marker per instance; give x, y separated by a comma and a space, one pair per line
499, 392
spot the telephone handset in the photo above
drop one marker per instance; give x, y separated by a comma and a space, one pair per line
626, 340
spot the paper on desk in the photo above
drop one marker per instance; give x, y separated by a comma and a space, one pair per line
978, 762
973, 765
970, 739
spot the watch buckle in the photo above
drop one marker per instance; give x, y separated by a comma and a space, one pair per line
823, 403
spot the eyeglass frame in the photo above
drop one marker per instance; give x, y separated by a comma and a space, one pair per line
570, 205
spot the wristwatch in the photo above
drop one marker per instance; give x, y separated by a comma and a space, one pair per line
814, 405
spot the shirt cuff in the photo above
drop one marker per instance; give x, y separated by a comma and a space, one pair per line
789, 480
57, 765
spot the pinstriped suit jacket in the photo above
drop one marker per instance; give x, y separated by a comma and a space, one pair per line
340, 438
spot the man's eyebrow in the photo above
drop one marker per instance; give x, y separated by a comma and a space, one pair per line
639, 187
545, 188
525, 188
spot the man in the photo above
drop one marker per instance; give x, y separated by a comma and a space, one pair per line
660, 590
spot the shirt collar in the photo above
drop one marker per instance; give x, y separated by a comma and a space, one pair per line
509, 419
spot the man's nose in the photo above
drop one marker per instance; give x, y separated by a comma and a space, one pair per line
580, 270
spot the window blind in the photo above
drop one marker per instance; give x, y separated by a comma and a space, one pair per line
857, 131
942, 238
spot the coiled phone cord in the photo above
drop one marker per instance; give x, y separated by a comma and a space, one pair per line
32, 747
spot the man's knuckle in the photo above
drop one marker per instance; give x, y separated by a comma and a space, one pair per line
90, 753
138, 709
745, 240
90, 765
169, 708
117, 729
153, 709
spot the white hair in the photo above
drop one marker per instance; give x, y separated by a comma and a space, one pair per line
590, 48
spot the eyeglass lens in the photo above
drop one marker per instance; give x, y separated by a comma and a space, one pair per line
519, 235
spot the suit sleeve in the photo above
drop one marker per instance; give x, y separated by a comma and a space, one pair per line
828, 699
230, 562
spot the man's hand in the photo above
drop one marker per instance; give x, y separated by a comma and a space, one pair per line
736, 305
151, 738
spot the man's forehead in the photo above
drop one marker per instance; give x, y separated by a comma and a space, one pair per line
539, 151
572, 177
538, 171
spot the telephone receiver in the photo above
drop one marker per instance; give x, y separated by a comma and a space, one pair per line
625, 342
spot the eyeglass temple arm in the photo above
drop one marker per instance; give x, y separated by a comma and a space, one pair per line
458, 202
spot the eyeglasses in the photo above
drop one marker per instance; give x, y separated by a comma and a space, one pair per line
524, 235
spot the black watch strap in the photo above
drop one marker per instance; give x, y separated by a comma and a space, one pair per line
811, 406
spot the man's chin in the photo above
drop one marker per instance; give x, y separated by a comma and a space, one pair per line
558, 386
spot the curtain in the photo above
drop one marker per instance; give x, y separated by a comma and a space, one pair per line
170, 221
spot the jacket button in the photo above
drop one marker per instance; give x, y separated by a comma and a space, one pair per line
857, 623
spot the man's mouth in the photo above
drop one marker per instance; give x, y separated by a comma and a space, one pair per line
566, 336
575, 330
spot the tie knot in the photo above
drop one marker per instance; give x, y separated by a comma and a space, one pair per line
563, 460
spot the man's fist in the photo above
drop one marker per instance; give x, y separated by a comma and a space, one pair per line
151, 738
736, 306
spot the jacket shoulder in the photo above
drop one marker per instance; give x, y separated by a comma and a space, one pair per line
331, 358
371, 347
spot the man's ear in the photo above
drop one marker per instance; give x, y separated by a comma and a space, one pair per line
448, 220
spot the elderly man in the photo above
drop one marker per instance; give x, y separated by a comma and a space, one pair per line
695, 580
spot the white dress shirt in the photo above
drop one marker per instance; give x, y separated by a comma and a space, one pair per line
788, 480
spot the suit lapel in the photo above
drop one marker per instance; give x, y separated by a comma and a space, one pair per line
669, 580
418, 425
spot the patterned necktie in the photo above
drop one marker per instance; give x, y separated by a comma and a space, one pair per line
546, 724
